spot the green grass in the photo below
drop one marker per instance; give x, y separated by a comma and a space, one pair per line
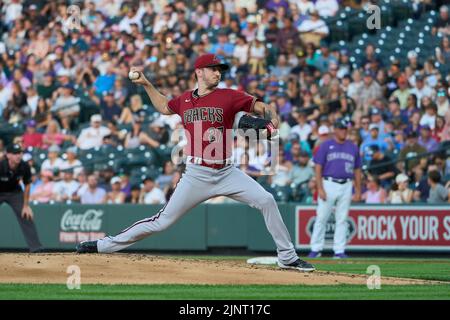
227, 292
405, 268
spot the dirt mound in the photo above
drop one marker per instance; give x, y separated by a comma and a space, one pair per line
123, 268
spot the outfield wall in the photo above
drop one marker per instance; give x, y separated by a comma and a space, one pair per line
371, 228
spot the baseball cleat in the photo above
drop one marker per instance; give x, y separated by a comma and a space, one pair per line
87, 247
314, 254
299, 265
340, 256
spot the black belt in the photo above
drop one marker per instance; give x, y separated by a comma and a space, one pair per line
340, 181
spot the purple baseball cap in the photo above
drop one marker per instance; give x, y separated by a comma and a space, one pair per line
31, 123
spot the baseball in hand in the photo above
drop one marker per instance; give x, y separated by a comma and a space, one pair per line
133, 75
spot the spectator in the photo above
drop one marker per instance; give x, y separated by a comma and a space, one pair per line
381, 166
368, 93
400, 193
115, 196
44, 191
72, 162
288, 33
151, 193
93, 136
133, 112
66, 105
403, 92
92, 194
134, 196
223, 48
443, 51
443, 105
65, 189
374, 194
373, 139
166, 177
438, 193
314, 29
173, 184
421, 188
421, 89
302, 128
327, 8
411, 150
442, 24
411, 108
302, 172
304, 6
282, 69
53, 136
110, 111
17, 108
257, 57
240, 50
426, 141
324, 134
53, 162
157, 134
324, 58
31, 138
429, 117
42, 115
280, 176
311, 192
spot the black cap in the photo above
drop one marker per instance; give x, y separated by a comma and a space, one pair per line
68, 170
412, 134
147, 178
375, 111
304, 154
14, 148
374, 148
341, 124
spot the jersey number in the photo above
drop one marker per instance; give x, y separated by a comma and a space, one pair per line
215, 134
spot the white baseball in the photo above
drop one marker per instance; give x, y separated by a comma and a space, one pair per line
133, 75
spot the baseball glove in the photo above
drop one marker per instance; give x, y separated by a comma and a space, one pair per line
264, 128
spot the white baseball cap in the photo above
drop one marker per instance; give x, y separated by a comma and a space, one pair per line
116, 180
323, 130
401, 178
96, 118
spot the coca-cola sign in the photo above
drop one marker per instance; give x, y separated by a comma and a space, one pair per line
90, 220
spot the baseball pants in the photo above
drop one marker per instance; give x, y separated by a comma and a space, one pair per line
15, 200
340, 196
196, 185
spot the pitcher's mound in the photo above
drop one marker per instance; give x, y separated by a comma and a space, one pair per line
122, 268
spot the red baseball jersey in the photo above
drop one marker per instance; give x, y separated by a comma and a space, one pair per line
208, 120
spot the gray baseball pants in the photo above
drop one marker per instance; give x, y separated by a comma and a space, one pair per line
196, 185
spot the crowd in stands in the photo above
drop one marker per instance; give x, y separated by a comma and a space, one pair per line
64, 80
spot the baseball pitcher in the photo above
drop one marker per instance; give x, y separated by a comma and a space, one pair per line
208, 115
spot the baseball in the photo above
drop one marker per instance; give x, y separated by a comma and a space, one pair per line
133, 75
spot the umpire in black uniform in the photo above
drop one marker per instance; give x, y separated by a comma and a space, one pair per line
13, 170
